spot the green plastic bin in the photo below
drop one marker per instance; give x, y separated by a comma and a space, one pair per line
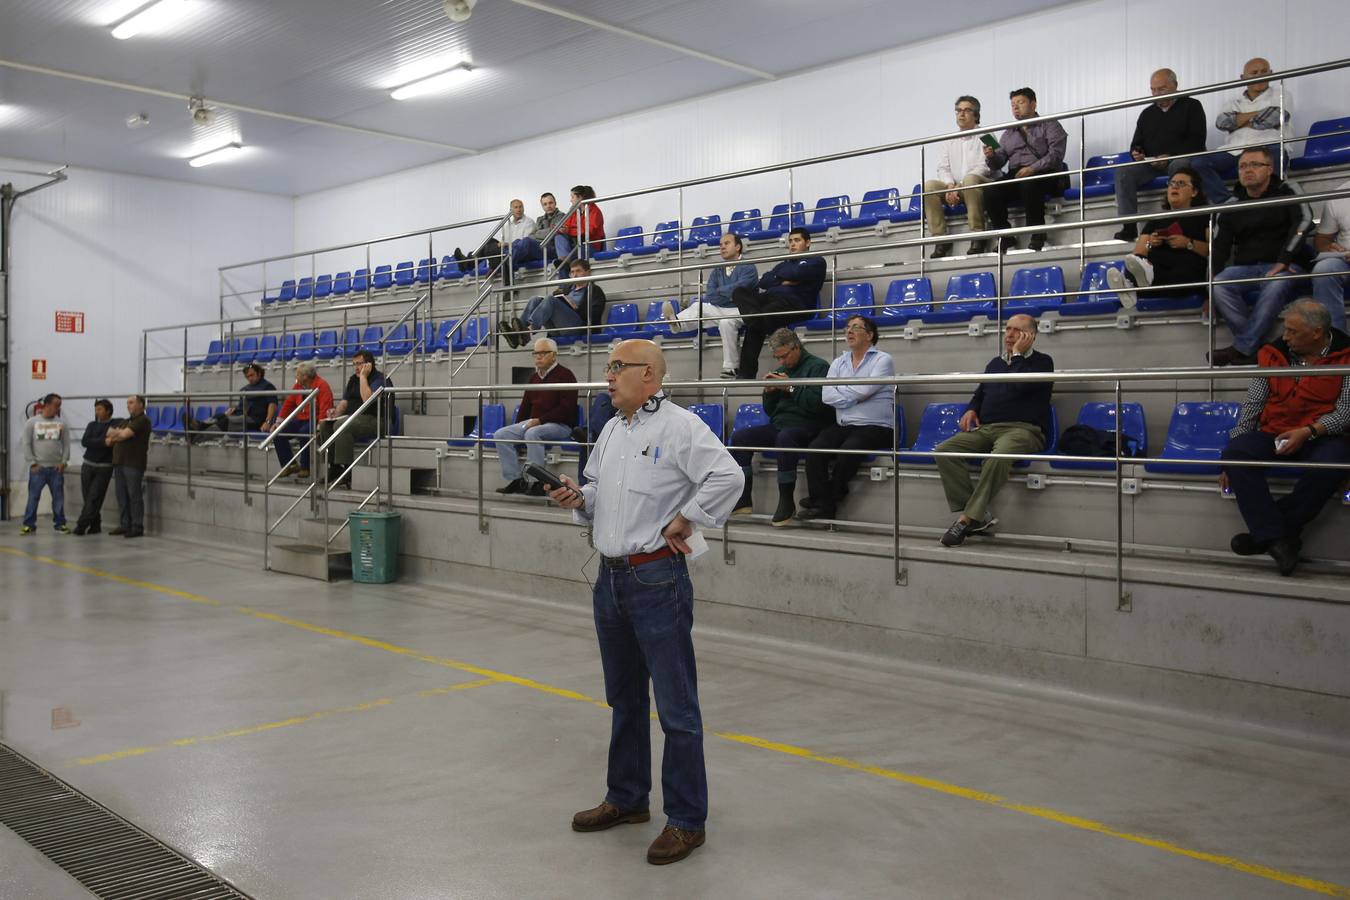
374, 545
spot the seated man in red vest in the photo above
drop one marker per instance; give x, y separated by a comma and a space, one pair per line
1302, 418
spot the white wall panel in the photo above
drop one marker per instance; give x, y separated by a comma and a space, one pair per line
1076, 55
128, 252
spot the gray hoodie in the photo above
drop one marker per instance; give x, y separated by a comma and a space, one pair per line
46, 442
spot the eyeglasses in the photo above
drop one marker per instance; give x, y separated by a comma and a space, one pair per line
1248, 166
856, 327
965, 109
1176, 183
543, 352
618, 366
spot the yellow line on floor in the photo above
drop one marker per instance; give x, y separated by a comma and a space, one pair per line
1290, 878
273, 726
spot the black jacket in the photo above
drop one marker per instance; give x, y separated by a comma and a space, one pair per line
95, 451
1262, 235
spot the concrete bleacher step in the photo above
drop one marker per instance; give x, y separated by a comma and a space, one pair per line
317, 560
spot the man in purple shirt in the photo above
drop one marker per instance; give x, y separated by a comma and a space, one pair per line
1035, 148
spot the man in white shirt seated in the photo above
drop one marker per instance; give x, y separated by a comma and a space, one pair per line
515, 228
961, 169
1259, 115
1332, 272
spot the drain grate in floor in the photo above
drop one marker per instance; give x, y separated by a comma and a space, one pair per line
112, 858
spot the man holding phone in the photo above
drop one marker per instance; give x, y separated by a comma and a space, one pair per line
363, 383
656, 472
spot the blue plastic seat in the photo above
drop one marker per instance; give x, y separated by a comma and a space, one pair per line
906, 299
1094, 279
371, 340
326, 347
351, 342
161, 417
450, 269
667, 236
424, 337
1102, 416
914, 210
780, 222
707, 232
441, 343
876, 205
342, 284
403, 274
629, 241
305, 289
938, 422
304, 346
968, 290
323, 286
286, 294
830, 212
267, 349
397, 343
1035, 291
494, 418
622, 323
749, 415
1100, 178
426, 271
1198, 430
177, 420
851, 298
655, 320
1151, 302
360, 281
745, 222
474, 332
248, 349
383, 279
228, 354
286, 348
1328, 145
213, 351
712, 416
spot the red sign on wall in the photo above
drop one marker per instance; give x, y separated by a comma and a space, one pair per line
72, 322
39, 370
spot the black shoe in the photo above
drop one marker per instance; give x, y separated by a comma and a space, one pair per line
1129, 234
580, 435
978, 247
786, 507
137, 532
118, 530
941, 250
815, 512
1232, 356
1285, 553
1037, 242
1007, 242
1245, 545
981, 527
517, 486
505, 332
80, 529
536, 489
519, 327
95, 529
957, 534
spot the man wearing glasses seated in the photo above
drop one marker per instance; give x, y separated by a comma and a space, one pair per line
656, 472
543, 416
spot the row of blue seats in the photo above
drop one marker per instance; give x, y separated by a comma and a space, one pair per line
1197, 431
334, 344
404, 275
173, 419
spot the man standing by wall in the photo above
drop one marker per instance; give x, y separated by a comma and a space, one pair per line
46, 449
655, 473
130, 444
96, 470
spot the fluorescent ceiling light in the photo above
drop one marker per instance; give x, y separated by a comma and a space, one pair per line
432, 84
161, 12
220, 154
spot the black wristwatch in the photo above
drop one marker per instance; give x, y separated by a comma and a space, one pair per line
1312, 433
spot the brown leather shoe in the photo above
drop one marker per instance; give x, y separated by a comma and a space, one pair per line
673, 845
607, 815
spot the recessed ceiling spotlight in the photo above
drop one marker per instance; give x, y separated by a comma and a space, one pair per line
140, 120
220, 154
150, 16
432, 84
459, 10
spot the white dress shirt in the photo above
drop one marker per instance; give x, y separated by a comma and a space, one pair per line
644, 471
960, 157
1250, 136
514, 229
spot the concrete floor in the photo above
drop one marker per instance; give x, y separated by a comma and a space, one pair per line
336, 742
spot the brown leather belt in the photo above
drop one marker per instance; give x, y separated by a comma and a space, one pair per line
637, 559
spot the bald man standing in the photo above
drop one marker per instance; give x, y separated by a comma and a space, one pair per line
656, 472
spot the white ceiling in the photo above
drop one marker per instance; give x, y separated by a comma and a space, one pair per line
336, 60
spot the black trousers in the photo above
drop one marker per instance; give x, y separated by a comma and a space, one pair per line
827, 476
1002, 194
1269, 519
94, 482
752, 302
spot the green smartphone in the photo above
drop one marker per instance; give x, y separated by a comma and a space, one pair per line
989, 141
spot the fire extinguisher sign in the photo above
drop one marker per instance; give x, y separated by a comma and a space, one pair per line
39, 370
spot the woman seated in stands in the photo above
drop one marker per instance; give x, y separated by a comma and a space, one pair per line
589, 217
1173, 248
864, 420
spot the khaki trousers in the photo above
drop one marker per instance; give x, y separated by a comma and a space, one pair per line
970, 193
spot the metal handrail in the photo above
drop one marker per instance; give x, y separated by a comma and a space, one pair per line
310, 395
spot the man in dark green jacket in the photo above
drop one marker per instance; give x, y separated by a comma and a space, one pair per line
796, 415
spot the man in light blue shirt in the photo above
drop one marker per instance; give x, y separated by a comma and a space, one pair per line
864, 419
717, 304
656, 472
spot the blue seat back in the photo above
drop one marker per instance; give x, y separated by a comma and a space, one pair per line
494, 418
623, 322
1198, 430
323, 286
424, 337
781, 222
450, 269
973, 291
370, 340
749, 415
351, 342
880, 204
712, 416
342, 284
1094, 279
361, 281
426, 270
442, 341
214, 350
267, 349
744, 221
706, 230
304, 346
383, 278
1102, 416
667, 234
398, 343
909, 296
854, 297
326, 347
305, 289
403, 273
248, 349
1097, 176
286, 348
474, 332
1035, 290
1328, 144
628, 239
832, 210
938, 422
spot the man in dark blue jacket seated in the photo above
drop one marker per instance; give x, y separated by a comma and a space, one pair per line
1003, 417
790, 290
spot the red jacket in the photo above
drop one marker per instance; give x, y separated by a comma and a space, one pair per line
324, 401
595, 220
1298, 402
550, 406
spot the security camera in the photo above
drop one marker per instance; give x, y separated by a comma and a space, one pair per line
459, 10
201, 113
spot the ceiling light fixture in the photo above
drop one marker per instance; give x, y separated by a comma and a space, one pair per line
432, 84
161, 12
220, 154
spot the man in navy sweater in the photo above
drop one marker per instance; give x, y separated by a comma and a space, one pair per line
1003, 417
790, 289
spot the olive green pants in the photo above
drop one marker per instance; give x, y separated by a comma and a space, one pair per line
999, 437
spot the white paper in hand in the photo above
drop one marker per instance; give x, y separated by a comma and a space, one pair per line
698, 544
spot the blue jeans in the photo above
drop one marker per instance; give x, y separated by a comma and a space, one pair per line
509, 454
550, 312
1269, 519
55, 480
524, 250
1250, 325
1329, 290
1209, 167
643, 618
283, 443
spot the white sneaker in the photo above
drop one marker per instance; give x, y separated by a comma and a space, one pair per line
1115, 279
1140, 269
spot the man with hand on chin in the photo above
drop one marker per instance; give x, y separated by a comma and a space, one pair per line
656, 471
